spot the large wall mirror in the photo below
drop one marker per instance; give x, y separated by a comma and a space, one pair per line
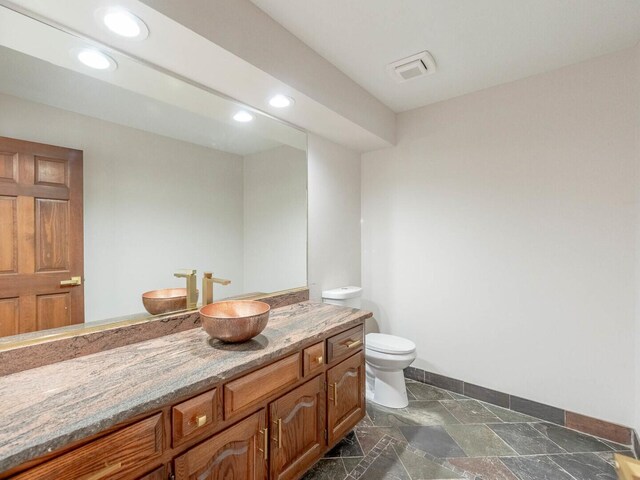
113, 180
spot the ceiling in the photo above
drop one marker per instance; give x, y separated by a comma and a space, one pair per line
476, 43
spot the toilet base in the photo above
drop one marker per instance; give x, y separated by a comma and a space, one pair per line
386, 388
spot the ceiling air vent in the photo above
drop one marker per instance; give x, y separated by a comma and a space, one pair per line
418, 65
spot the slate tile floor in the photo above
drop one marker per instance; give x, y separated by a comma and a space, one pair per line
443, 435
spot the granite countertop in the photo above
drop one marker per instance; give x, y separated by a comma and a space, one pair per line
46, 408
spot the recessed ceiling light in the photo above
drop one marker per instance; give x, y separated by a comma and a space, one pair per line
124, 23
93, 58
243, 116
281, 101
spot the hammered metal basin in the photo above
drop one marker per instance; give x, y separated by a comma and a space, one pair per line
166, 300
236, 320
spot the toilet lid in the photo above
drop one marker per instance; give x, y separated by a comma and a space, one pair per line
384, 343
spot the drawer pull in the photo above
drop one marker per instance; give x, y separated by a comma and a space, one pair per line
334, 387
319, 359
201, 420
108, 470
279, 432
265, 442
352, 344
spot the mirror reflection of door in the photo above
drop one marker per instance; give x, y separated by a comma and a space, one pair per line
41, 237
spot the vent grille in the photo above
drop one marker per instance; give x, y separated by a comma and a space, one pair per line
418, 65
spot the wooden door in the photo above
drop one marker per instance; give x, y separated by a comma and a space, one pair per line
345, 396
41, 239
297, 430
237, 453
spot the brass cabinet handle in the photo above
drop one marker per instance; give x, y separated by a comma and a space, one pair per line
319, 359
279, 439
334, 387
108, 470
72, 282
265, 442
355, 344
201, 420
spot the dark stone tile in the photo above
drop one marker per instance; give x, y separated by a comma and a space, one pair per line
420, 467
327, 469
432, 440
350, 463
347, 447
509, 416
368, 437
417, 413
422, 391
538, 410
599, 428
470, 411
486, 395
414, 374
447, 383
586, 465
485, 468
570, 440
479, 441
536, 468
525, 439
386, 466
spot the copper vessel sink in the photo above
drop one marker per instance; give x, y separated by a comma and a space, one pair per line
165, 300
236, 320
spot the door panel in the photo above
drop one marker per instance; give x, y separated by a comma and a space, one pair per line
236, 453
8, 167
8, 235
345, 392
52, 235
9, 316
41, 236
53, 310
297, 430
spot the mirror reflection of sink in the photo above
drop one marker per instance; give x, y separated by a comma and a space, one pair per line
166, 300
235, 320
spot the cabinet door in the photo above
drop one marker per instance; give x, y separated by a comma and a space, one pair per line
345, 396
297, 430
236, 453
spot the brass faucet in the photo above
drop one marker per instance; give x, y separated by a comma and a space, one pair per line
207, 287
192, 291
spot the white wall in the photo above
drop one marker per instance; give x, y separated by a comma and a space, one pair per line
500, 235
334, 216
152, 205
275, 220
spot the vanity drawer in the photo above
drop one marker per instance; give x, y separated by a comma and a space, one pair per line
196, 415
345, 343
313, 359
246, 391
112, 457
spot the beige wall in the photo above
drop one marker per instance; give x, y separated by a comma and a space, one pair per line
500, 235
334, 216
275, 219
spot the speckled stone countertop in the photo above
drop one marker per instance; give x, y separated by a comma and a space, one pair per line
46, 408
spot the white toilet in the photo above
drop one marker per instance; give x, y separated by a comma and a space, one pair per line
386, 356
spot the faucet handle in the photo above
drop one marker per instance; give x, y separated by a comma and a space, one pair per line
184, 273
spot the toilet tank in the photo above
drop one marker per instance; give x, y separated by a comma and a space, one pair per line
343, 296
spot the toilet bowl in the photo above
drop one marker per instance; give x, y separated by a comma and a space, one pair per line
386, 357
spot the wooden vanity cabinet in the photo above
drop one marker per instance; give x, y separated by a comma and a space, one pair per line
273, 423
345, 396
236, 453
297, 423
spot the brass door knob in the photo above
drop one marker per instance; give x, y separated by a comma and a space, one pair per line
72, 282
201, 420
319, 359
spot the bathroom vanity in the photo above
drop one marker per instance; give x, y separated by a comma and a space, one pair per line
183, 406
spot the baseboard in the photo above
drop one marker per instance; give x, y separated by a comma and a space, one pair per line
575, 421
